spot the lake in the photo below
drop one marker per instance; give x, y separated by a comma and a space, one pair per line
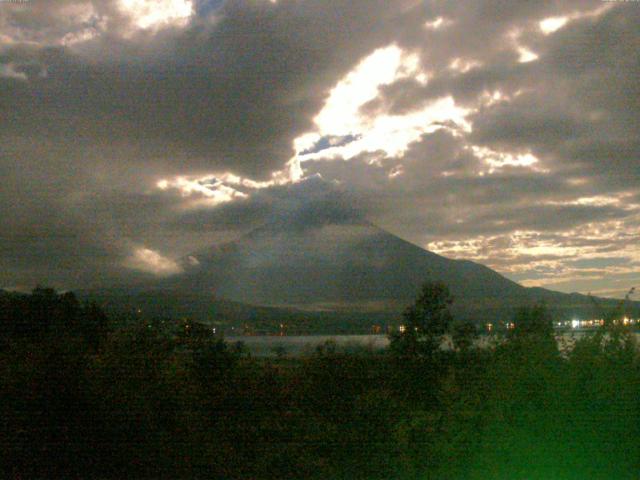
295, 345
266, 346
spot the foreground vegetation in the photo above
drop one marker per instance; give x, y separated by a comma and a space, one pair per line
83, 399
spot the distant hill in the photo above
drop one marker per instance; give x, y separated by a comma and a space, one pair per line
176, 304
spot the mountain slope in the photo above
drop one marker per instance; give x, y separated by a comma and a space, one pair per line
351, 265
339, 265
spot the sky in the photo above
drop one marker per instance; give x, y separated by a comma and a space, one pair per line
134, 132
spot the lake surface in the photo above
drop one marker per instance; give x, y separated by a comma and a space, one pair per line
266, 346
295, 345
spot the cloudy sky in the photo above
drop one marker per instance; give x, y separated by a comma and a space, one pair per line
133, 132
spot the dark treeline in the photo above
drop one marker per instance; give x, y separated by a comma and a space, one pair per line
84, 398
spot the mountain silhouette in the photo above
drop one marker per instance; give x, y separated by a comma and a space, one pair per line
335, 262
328, 266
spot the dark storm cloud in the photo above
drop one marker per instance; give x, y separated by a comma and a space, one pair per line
578, 102
226, 93
573, 111
526, 122
464, 203
61, 221
88, 128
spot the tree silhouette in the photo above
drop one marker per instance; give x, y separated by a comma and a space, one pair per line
425, 322
533, 321
463, 335
45, 313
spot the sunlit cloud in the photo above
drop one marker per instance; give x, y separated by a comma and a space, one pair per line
85, 35
88, 23
496, 160
396, 171
383, 134
210, 190
438, 23
526, 55
490, 98
156, 13
596, 200
218, 188
551, 24
392, 134
7, 70
558, 261
462, 65
340, 113
150, 261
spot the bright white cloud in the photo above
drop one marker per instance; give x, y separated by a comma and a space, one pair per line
78, 37
497, 160
213, 190
490, 98
218, 188
156, 13
396, 171
389, 134
392, 134
463, 66
437, 23
150, 261
340, 113
87, 21
526, 55
596, 200
551, 24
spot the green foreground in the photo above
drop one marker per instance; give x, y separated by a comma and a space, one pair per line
82, 399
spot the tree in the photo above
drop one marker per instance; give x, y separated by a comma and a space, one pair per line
534, 321
94, 324
533, 334
425, 322
464, 335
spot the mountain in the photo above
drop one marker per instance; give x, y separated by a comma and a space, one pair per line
348, 266
329, 271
